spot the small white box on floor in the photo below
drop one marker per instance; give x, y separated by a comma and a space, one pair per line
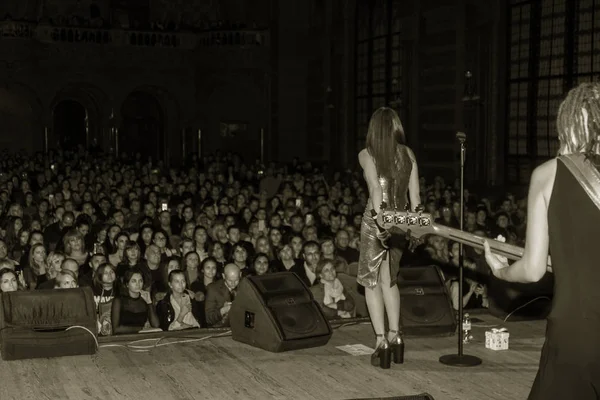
497, 339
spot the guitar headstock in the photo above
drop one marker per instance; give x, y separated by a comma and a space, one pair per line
418, 223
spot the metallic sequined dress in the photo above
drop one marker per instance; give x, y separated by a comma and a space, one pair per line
372, 251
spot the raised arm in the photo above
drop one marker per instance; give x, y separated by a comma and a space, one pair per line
532, 267
414, 191
370, 174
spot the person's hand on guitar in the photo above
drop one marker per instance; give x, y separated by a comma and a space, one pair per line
495, 262
383, 235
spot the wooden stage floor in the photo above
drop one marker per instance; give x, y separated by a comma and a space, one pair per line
220, 368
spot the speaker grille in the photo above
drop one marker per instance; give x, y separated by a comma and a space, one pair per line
299, 320
424, 309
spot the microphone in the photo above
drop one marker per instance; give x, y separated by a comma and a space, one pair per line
461, 136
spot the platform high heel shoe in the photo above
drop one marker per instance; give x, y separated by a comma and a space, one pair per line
382, 356
397, 347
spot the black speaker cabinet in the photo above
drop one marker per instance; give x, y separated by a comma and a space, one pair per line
277, 312
425, 305
47, 323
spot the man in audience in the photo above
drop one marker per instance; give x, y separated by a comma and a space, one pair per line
305, 268
87, 271
342, 240
220, 295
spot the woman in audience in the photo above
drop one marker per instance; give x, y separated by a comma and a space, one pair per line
75, 247
260, 265
285, 259
66, 279
118, 255
187, 230
160, 238
297, 242
132, 258
191, 263
244, 218
110, 244
105, 289
217, 251
144, 238
201, 242
263, 246
175, 310
275, 239
330, 294
35, 273
133, 309
8, 280
12, 236
239, 256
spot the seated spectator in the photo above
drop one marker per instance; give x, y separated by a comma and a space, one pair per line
208, 269
191, 264
239, 256
74, 246
342, 249
260, 265
220, 295
35, 273
474, 293
118, 255
66, 279
285, 259
54, 262
175, 310
305, 268
88, 271
328, 252
334, 299
8, 280
133, 309
105, 289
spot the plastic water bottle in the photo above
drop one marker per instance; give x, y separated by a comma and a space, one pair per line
466, 327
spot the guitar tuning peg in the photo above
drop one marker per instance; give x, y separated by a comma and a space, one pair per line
420, 208
407, 208
383, 205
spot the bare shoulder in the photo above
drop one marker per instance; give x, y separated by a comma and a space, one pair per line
542, 179
410, 153
545, 172
364, 157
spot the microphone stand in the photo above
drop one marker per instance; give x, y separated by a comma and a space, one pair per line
460, 359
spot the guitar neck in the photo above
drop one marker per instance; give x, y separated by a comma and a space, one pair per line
509, 251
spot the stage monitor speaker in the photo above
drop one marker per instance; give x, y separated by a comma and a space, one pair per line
47, 323
277, 312
523, 301
425, 306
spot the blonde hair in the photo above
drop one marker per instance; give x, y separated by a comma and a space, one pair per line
578, 120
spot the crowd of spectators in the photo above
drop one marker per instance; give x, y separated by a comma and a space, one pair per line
165, 248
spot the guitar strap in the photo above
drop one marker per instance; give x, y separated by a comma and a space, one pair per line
585, 173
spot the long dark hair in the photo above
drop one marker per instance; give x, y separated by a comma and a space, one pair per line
385, 133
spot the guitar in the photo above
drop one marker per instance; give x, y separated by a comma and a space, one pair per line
418, 224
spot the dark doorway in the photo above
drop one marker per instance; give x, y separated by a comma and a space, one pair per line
142, 129
70, 124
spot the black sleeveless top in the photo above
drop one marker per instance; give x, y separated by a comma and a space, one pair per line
574, 231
